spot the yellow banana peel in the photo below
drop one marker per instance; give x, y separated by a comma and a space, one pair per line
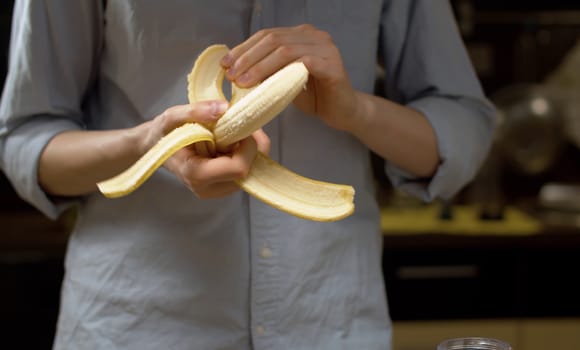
249, 110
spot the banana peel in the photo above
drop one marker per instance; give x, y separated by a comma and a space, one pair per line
249, 110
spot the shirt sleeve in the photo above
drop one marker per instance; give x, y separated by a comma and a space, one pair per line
427, 68
54, 45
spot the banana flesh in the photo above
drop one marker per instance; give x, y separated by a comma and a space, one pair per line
249, 110
260, 105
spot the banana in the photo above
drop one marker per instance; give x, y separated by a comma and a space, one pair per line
249, 110
260, 105
129, 180
302, 197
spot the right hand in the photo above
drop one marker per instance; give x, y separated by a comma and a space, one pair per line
205, 177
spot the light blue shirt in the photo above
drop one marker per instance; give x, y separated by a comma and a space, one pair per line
161, 269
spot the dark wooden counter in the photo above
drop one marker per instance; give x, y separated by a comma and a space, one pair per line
30, 231
488, 274
454, 273
32, 251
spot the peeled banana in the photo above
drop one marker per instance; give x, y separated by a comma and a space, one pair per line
249, 110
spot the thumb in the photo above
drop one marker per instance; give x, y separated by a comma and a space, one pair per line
205, 111
262, 141
200, 112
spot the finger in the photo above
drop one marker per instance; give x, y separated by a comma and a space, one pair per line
279, 58
201, 112
271, 36
327, 68
262, 141
263, 43
231, 57
201, 172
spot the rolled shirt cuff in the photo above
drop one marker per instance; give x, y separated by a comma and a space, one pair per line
20, 154
463, 128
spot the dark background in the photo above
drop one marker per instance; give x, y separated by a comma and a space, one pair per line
528, 270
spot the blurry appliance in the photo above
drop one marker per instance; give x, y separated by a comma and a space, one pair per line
529, 130
516, 47
517, 41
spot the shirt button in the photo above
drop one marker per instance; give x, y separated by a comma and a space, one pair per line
260, 330
266, 252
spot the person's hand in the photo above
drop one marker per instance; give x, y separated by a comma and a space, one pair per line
206, 177
329, 93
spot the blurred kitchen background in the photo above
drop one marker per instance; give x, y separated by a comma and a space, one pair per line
499, 260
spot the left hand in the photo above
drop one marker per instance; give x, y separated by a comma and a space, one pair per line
329, 93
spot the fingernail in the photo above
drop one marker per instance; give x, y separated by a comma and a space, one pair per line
231, 72
227, 60
219, 107
244, 78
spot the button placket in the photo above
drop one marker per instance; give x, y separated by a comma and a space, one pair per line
263, 227
265, 274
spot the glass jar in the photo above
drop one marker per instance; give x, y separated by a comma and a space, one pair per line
473, 343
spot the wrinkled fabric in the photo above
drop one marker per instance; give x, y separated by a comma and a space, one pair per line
161, 269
